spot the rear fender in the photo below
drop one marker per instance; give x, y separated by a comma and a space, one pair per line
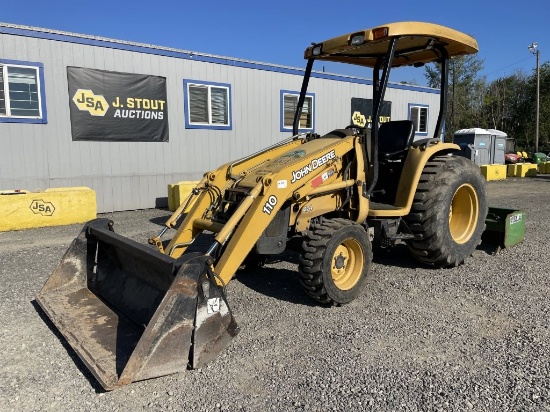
417, 158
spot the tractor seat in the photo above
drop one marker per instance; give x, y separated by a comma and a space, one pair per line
394, 139
339, 133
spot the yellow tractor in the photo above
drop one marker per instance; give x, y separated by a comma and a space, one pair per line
133, 311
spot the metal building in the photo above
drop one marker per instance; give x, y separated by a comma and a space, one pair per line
212, 110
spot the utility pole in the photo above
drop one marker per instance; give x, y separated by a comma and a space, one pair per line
533, 49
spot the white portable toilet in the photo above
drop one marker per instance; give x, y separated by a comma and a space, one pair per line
498, 146
475, 144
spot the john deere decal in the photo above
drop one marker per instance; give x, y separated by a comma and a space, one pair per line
315, 163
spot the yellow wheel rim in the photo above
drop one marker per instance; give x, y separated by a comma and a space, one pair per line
463, 213
346, 264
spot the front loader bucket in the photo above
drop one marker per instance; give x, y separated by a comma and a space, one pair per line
132, 313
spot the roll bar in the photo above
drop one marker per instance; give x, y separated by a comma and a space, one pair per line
384, 63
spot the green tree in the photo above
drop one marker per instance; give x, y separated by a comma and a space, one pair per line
510, 106
507, 106
503, 102
465, 94
527, 111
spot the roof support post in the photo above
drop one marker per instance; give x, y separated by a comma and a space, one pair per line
444, 90
379, 89
299, 107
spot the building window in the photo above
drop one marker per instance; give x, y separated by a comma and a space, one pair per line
22, 92
289, 102
207, 105
419, 116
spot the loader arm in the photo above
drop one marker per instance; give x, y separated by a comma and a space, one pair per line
297, 172
211, 188
321, 165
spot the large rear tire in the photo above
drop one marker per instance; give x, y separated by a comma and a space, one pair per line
335, 261
448, 212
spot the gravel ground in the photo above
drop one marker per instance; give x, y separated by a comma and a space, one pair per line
474, 337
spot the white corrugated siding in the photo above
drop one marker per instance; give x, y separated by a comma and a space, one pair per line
128, 175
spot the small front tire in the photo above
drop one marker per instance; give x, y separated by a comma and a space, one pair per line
335, 261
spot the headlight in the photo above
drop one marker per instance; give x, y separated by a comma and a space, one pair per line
357, 39
316, 51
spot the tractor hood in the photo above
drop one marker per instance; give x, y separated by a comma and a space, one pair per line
315, 153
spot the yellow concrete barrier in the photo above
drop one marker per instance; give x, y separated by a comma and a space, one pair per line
526, 169
544, 168
178, 192
512, 170
52, 207
493, 172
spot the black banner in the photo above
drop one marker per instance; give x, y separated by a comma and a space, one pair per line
361, 112
120, 107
